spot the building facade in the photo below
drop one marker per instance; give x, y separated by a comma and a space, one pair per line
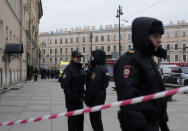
57, 46
15, 26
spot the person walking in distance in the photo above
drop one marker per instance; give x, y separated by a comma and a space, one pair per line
136, 74
73, 85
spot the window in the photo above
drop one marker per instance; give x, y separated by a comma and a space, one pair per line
167, 34
6, 33
50, 41
77, 40
66, 51
129, 36
176, 46
120, 47
61, 50
83, 59
66, 40
168, 46
50, 51
121, 37
176, 34
184, 34
102, 38
108, 48
84, 39
50, 60
168, 58
61, 40
96, 38
102, 48
184, 46
114, 48
55, 50
176, 58
77, 49
108, 38
55, 59
61, 58
84, 49
129, 47
43, 60
184, 57
43, 52
71, 50
55, 41
114, 37
71, 39
10, 36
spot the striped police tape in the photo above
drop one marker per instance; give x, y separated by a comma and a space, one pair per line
98, 108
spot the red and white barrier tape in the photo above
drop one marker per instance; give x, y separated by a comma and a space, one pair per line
100, 107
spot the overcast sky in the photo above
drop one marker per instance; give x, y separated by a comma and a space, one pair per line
59, 14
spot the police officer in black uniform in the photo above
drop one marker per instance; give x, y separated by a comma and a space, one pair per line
96, 84
73, 85
136, 74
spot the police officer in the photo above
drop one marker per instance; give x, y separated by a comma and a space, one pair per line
96, 84
136, 74
73, 85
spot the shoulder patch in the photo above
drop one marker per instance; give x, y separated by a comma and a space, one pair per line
131, 51
127, 71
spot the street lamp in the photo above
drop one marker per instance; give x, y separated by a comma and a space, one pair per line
91, 37
119, 13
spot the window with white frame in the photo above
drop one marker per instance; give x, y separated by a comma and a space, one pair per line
83, 49
108, 48
114, 48
129, 47
96, 39
51, 60
66, 40
43, 60
77, 39
114, 37
175, 33
102, 37
167, 34
84, 39
168, 58
168, 46
71, 39
176, 58
61, 40
50, 51
108, 37
61, 50
184, 33
176, 46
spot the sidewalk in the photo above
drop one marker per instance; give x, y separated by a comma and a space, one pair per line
46, 97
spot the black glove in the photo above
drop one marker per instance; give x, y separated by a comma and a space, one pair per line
164, 126
162, 53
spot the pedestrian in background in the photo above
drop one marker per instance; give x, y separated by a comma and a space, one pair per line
96, 83
136, 74
35, 74
73, 85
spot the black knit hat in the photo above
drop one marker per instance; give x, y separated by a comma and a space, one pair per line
76, 54
156, 27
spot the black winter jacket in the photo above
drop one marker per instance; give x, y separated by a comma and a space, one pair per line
96, 83
136, 74
73, 83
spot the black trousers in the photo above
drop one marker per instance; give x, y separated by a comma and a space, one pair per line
96, 121
75, 123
